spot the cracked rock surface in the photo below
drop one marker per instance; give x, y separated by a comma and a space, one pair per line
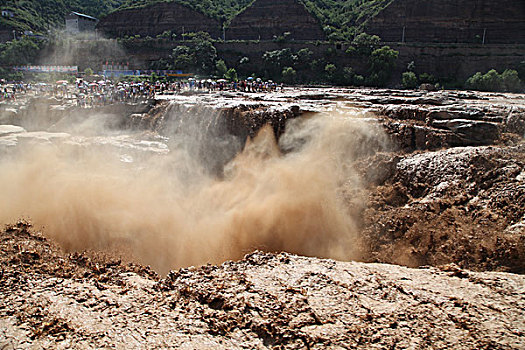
449, 198
53, 300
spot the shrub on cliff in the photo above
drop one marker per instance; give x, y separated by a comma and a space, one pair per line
288, 75
221, 68
231, 75
382, 63
511, 80
283, 38
493, 81
365, 44
409, 80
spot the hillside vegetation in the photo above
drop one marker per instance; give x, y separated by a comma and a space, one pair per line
42, 15
222, 10
341, 19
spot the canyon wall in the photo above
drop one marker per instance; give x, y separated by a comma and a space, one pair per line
156, 19
265, 19
451, 21
454, 61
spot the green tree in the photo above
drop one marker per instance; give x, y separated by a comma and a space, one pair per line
382, 62
182, 57
426, 78
349, 75
351, 51
153, 77
304, 57
365, 44
18, 52
205, 55
358, 80
288, 75
521, 70
409, 80
231, 74
317, 67
330, 70
221, 68
275, 61
199, 54
280, 58
243, 66
490, 81
475, 82
511, 80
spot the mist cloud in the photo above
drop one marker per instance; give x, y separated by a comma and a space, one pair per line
165, 210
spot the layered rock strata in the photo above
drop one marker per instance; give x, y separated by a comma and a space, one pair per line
266, 19
156, 19
451, 21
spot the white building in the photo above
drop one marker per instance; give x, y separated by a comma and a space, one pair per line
8, 13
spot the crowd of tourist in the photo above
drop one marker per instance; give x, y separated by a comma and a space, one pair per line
102, 92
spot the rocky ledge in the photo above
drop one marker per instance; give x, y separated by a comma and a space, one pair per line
52, 300
446, 194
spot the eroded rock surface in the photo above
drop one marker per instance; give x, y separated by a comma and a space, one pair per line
49, 299
157, 18
446, 190
464, 205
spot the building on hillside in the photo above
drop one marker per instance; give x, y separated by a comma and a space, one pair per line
8, 13
269, 19
78, 22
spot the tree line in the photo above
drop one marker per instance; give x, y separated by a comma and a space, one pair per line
198, 54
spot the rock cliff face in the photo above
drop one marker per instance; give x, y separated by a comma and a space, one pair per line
155, 19
265, 19
6, 32
5, 35
451, 21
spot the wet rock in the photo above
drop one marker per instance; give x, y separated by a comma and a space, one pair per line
515, 123
10, 130
460, 209
427, 87
465, 205
471, 132
263, 301
8, 116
